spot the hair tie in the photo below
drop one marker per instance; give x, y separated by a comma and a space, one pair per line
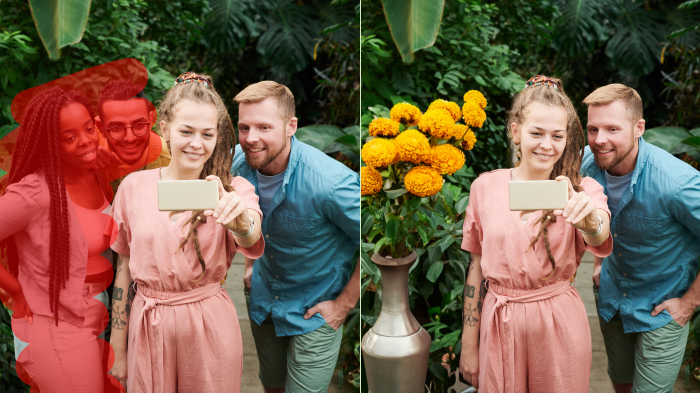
538, 80
189, 77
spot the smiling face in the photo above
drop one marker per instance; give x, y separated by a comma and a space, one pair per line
129, 113
192, 134
264, 136
77, 137
613, 137
542, 138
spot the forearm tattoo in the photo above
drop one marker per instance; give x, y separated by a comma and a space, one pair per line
482, 295
130, 298
469, 317
118, 321
119, 266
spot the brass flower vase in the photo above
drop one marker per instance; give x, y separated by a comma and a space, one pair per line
396, 349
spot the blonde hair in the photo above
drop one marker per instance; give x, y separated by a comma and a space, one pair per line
219, 164
569, 163
266, 89
614, 92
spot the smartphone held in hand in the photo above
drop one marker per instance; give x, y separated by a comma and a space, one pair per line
176, 195
538, 195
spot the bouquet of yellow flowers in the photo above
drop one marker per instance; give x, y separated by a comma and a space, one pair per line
407, 155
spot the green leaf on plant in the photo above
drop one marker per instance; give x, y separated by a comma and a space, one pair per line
368, 266
445, 242
462, 203
392, 194
392, 227
366, 246
367, 224
423, 236
380, 244
434, 271
448, 340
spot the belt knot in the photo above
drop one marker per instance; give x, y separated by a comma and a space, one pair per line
501, 301
150, 303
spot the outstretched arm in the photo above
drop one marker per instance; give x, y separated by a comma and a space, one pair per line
475, 289
335, 311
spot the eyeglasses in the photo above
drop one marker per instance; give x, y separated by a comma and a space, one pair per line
138, 129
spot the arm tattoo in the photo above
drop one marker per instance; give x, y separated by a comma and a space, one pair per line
469, 319
130, 298
117, 294
482, 294
469, 291
118, 322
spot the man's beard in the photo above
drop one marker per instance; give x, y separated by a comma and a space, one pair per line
616, 159
262, 162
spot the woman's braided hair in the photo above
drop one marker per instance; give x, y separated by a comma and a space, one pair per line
549, 91
37, 149
199, 88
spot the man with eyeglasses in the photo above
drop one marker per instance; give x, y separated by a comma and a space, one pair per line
125, 120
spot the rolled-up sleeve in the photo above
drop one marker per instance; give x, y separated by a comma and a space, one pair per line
687, 205
120, 215
472, 235
343, 206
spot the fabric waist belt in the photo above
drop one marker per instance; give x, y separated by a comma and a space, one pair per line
500, 328
148, 338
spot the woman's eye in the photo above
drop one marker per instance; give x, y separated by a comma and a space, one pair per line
69, 139
185, 132
536, 134
209, 135
558, 136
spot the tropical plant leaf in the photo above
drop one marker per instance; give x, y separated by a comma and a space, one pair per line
414, 24
288, 41
230, 24
637, 42
580, 26
666, 137
59, 22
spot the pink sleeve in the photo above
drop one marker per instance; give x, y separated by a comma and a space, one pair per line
247, 193
597, 194
472, 234
18, 204
121, 220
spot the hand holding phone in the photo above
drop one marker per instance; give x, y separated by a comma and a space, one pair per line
231, 211
580, 211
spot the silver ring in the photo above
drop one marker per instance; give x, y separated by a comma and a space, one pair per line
585, 201
235, 199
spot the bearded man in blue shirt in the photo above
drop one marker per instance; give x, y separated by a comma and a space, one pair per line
301, 289
646, 290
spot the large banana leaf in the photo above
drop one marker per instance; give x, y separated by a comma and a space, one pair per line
330, 139
59, 22
414, 24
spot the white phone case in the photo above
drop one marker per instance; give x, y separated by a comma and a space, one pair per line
538, 195
187, 195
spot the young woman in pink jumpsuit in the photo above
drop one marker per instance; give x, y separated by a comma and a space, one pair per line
183, 332
54, 224
525, 326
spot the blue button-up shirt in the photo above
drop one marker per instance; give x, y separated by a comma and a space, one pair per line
311, 232
656, 238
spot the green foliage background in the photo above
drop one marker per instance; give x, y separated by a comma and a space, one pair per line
310, 46
494, 46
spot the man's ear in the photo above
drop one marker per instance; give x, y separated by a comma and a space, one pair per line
100, 126
292, 126
152, 118
639, 128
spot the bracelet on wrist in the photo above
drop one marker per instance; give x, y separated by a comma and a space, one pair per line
596, 233
250, 229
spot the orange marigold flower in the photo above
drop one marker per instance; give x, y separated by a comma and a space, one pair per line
476, 96
446, 159
458, 130
383, 127
423, 181
378, 153
474, 116
405, 113
469, 140
412, 145
438, 122
370, 181
449, 106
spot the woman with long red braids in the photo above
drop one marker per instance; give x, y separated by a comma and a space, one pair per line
53, 227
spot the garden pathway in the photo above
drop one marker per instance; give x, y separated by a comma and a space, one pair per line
234, 287
600, 382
